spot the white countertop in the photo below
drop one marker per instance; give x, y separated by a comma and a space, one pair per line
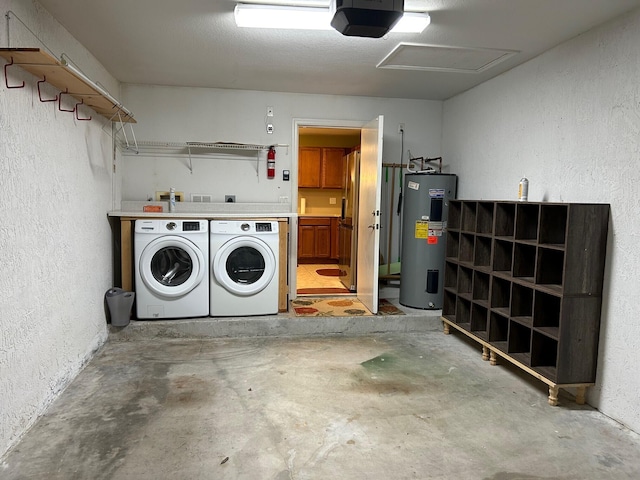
206, 210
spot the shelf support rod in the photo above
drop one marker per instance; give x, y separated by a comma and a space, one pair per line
190, 162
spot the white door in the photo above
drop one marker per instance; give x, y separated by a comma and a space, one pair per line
369, 213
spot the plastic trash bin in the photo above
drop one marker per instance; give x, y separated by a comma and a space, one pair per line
119, 303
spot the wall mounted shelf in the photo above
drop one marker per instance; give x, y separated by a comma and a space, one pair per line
65, 79
175, 149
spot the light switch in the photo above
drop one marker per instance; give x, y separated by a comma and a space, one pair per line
332, 200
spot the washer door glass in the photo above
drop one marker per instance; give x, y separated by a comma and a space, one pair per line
171, 266
244, 265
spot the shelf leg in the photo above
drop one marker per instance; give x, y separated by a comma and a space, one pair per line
553, 395
580, 394
446, 328
485, 353
493, 358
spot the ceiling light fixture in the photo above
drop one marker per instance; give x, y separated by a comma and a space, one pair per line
311, 18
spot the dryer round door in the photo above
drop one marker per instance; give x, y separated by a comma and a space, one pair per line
172, 266
244, 265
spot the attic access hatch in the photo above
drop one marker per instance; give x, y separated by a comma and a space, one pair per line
65, 79
417, 56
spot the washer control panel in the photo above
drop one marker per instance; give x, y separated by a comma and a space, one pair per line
263, 227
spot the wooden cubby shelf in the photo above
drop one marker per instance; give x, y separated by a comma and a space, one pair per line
525, 279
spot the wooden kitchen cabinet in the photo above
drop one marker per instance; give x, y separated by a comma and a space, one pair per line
309, 163
314, 240
321, 167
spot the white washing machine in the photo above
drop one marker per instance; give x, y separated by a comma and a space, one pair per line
171, 268
244, 268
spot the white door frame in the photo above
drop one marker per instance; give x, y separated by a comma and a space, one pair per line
293, 232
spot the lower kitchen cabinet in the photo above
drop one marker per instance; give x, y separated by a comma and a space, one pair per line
317, 240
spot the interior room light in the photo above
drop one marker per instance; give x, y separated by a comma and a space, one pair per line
311, 18
279, 16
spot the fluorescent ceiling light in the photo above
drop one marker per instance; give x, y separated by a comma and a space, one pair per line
311, 18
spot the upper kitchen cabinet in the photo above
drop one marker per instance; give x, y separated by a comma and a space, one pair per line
321, 167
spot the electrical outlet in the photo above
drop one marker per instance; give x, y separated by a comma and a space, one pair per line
401, 128
269, 111
332, 200
269, 128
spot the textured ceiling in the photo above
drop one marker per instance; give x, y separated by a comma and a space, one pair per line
196, 43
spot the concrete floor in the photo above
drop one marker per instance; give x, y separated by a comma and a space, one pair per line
386, 406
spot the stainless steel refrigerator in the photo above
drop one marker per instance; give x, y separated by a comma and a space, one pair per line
424, 233
348, 225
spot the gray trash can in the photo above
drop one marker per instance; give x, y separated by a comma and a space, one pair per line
120, 303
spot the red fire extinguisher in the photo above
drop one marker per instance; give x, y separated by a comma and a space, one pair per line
271, 163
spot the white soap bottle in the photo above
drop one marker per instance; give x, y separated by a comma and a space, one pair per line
172, 199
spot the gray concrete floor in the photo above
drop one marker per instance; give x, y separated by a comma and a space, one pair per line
385, 406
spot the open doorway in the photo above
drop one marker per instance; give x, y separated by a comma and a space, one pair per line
328, 158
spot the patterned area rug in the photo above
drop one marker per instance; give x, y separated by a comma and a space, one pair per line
329, 272
339, 307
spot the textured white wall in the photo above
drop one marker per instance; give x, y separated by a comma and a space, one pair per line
56, 252
570, 121
180, 114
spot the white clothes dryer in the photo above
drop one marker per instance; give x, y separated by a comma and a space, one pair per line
244, 267
171, 268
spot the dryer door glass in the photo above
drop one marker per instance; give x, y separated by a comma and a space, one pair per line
171, 266
245, 265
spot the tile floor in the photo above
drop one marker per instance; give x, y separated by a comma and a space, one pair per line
308, 278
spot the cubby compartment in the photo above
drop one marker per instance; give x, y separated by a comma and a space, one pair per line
463, 312
454, 215
524, 261
482, 252
519, 342
549, 268
481, 287
502, 256
479, 320
469, 216
453, 244
522, 304
466, 247
449, 305
498, 330
465, 281
527, 221
546, 313
553, 224
450, 275
484, 218
544, 354
500, 295
505, 214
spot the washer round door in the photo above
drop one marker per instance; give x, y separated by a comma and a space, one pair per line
172, 266
244, 265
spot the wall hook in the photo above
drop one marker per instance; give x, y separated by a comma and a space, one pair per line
44, 79
76, 109
60, 103
6, 80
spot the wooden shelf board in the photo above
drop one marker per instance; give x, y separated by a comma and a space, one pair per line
525, 321
551, 332
41, 64
502, 311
